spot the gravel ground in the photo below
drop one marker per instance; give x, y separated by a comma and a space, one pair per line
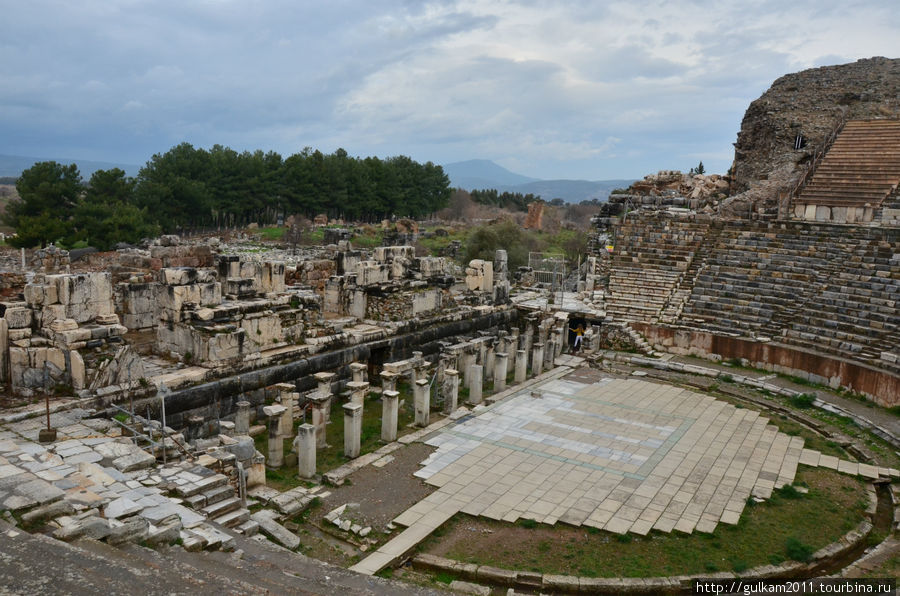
382, 493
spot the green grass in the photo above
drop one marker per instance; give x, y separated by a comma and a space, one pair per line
369, 238
834, 505
273, 233
436, 244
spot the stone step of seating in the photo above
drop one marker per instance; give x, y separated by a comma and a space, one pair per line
874, 306
858, 332
648, 292
212, 537
635, 302
649, 276
853, 174
248, 528
635, 311
233, 518
204, 484
219, 493
849, 194
221, 507
815, 345
876, 321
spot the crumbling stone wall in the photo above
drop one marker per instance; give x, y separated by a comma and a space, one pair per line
11, 283
313, 273
398, 306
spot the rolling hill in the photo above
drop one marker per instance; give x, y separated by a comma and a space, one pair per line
483, 173
14, 165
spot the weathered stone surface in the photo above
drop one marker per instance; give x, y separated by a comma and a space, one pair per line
134, 529
271, 528
87, 527
137, 460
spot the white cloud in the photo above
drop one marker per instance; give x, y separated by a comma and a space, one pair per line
575, 89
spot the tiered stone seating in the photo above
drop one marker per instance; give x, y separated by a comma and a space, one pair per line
859, 171
651, 258
856, 313
830, 289
752, 283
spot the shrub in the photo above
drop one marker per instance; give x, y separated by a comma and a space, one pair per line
789, 492
797, 550
804, 400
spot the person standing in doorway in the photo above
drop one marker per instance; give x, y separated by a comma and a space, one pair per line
579, 335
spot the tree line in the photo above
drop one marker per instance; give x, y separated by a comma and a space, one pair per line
513, 201
190, 188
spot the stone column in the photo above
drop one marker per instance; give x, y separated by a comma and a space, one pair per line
489, 360
324, 379
358, 370
388, 381
358, 392
501, 362
305, 446
422, 402
275, 457
467, 359
537, 360
562, 325
286, 427
450, 390
521, 365
502, 342
390, 406
352, 429
476, 384
415, 373
242, 418
443, 363
530, 324
481, 354
543, 330
318, 406
420, 371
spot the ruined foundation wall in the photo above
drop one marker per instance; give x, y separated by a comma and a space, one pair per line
223, 394
880, 386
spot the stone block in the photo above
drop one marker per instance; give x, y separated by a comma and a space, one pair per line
427, 301
271, 528
18, 317
88, 527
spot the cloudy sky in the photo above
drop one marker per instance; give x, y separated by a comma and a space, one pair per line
574, 89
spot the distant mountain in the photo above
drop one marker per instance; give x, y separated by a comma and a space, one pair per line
482, 173
14, 165
570, 191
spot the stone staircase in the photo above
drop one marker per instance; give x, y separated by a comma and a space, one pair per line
210, 494
862, 166
640, 342
856, 175
674, 306
650, 263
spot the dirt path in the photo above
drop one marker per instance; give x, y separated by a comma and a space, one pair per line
381, 493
